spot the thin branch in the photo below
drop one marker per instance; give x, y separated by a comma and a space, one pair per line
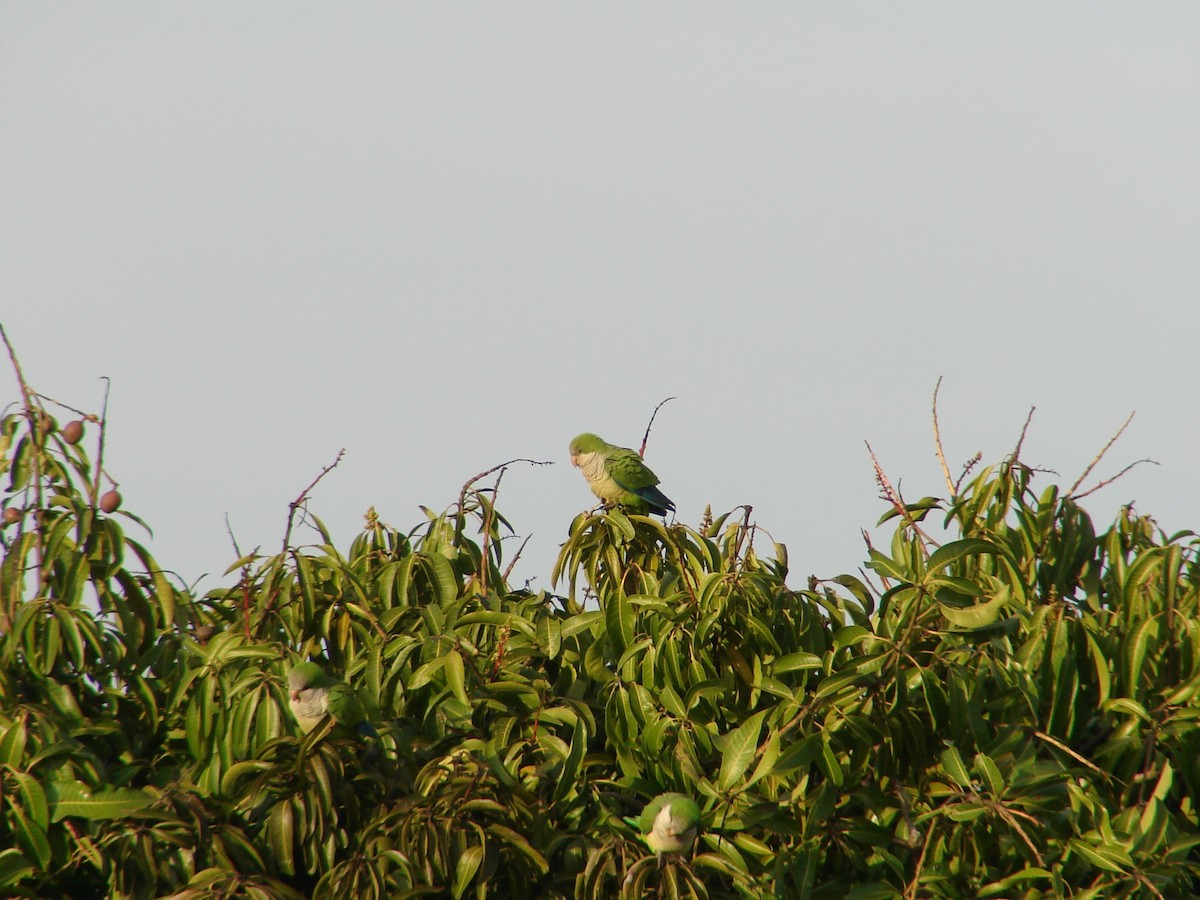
100, 448
1082, 760
1108, 481
650, 424
300, 500
520, 550
27, 395
1016, 454
1099, 456
910, 889
1009, 816
87, 417
937, 442
26, 391
462, 495
229, 531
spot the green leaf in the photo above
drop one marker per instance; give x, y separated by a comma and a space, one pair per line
619, 616
1108, 857
796, 661
32, 838
464, 871
14, 867
888, 567
875, 890
956, 551
516, 840
849, 635
1127, 707
986, 767
73, 798
953, 765
281, 836
738, 751
12, 745
981, 615
33, 798
456, 676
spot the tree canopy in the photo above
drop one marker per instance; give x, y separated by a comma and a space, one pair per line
1007, 709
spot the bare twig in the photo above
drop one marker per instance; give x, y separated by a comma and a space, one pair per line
1010, 816
1016, 454
1082, 760
87, 417
1108, 481
1099, 456
462, 495
520, 550
26, 391
650, 424
937, 442
910, 889
229, 531
300, 500
490, 517
27, 395
100, 447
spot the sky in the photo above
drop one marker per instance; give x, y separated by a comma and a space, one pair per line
443, 236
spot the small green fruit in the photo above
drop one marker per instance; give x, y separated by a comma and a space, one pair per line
110, 501
73, 431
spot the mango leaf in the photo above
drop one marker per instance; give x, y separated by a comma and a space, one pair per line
73, 798
739, 749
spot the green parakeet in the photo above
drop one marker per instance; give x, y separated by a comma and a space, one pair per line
668, 823
617, 475
313, 695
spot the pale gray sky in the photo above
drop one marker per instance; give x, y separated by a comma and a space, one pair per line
442, 236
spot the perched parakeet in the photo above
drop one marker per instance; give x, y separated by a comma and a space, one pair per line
617, 475
668, 823
314, 695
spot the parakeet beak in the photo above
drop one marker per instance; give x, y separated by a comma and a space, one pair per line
575, 460
295, 695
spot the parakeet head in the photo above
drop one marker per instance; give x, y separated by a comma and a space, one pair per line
585, 443
303, 675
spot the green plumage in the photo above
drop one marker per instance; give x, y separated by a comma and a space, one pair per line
314, 695
618, 476
669, 823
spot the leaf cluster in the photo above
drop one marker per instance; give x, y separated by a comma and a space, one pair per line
1009, 714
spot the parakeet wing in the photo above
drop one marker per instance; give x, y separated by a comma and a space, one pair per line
626, 468
346, 708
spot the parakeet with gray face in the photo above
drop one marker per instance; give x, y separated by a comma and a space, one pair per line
618, 476
669, 823
313, 695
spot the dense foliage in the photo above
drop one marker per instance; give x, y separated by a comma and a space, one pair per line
1011, 713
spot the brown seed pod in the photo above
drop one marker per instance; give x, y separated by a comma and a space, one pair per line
46, 425
12, 516
73, 431
110, 501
